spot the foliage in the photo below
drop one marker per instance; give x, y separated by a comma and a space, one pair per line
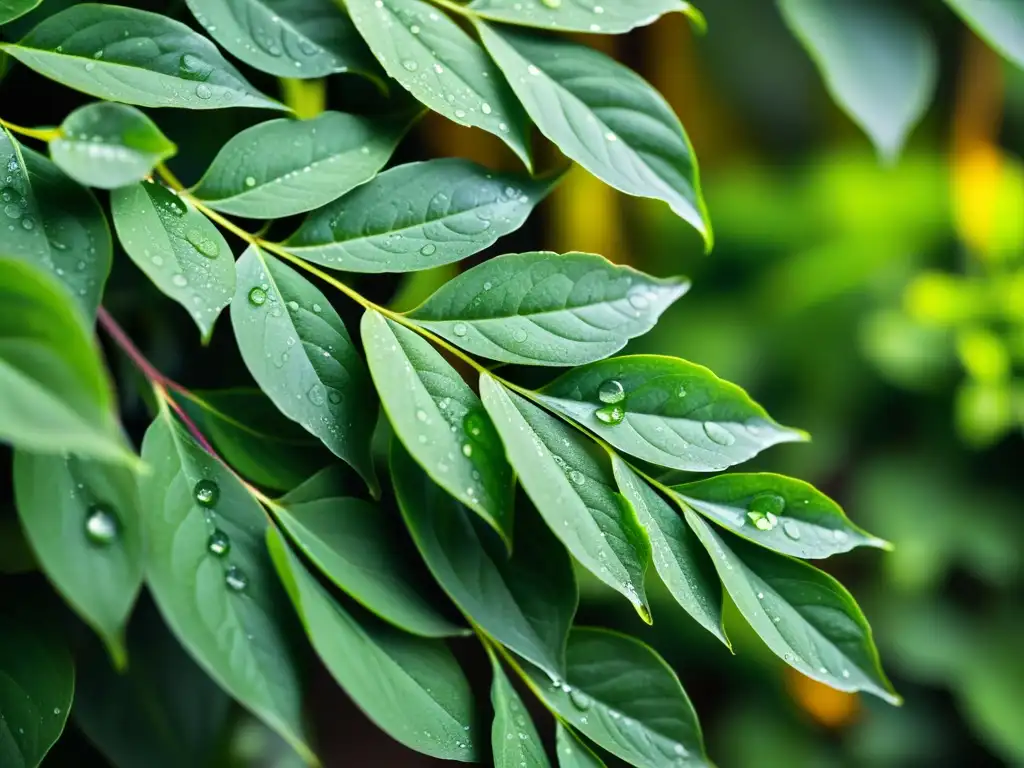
261, 521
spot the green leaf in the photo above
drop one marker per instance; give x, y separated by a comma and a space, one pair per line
54, 394
297, 349
443, 67
440, 420
410, 687
526, 602
623, 696
358, 547
109, 145
605, 117
879, 62
136, 57
780, 513
546, 308
804, 616
573, 753
16, 555
82, 519
287, 38
607, 17
312, 162
417, 216
667, 411
177, 247
53, 223
12, 9
679, 558
207, 568
999, 22
570, 481
37, 683
515, 742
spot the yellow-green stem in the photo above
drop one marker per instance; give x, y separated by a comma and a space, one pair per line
43, 134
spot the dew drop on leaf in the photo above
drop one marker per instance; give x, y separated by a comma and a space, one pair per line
611, 391
791, 529
257, 297
218, 544
206, 493
460, 329
236, 579
579, 699
429, 249
718, 434
610, 414
101, 526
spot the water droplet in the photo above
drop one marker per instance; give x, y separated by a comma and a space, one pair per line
467, 450
421, 415
767, 504
236, 579
180, 280
28, 223
101, 526
410, 65
203, 91
791, 529
206, 493
611, 391
611, 414
316, 395
250, 181
460, 329
205, 245
533, 70
90, 66
429, 249
519, 335
334, 397
218, 544
718, 434
317, 309
577, 477
257, 297
485, 108
579, 699
846, 674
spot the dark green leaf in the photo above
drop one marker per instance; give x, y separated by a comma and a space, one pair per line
417, 216
287, 38
37, 683
15, 553
282, 167
622, 695
573, 753
607, 17
1000, 22
781, 513
570, 481
667, 411
298, 350
526, 602
109, 145
82, 519
681, 561
411, 687
136, 57
54, 394
53, 223
605, 117
803, 615
879, 62
177, 247
12, 9
440, 420
208, 570
443, 67
358, 547
546, 308
515, 742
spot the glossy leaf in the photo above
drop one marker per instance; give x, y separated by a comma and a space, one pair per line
780, 513
573, 753
177, 247
515, 742
53, 223
54, 394
1000, 22
412, 688
37, 683
546, 308
208, 570
287, 38
136, 57
109, 145
12, 9
417, 216
440, 420
803, 615
570, 481
443, 67
667, 411
82, 519
360, 549
297, 349
283, 167
623, 696
605, 117
879, 62
526, 602
679, 558
608, 17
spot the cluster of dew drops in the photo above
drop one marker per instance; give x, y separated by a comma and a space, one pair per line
206, 493
554, 5
277, 41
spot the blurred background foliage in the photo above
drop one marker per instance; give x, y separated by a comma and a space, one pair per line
879, 305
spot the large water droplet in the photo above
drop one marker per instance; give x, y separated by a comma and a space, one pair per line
410, 65
203, 91
191, 67
611, 414
205, 245
791, 529
719, 434
206, 493
460, 329
236, 579
250, 181
218, 544
579, 699
429, 249
611, 391
101, 526
474, 424
577, 477
257, 297
519, 335
316, 395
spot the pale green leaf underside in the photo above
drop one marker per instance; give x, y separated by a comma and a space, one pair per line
573, 753
607, 17
546, 308
515, 742
443, 67
675, 414
310, 163
417, 216
177, 247
1000, 22
411, 687
879, 63
136, 57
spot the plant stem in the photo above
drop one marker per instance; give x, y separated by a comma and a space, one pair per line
43, 134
